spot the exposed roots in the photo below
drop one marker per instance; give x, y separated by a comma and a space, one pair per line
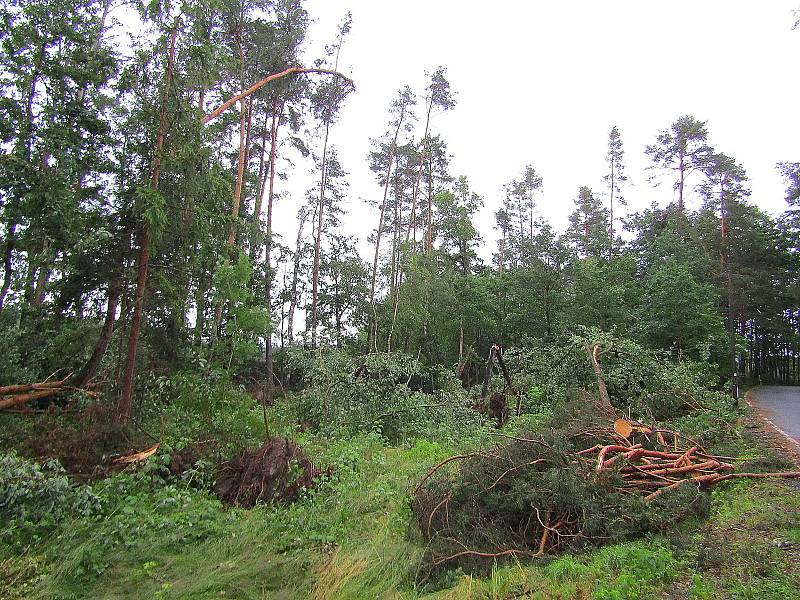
278, 471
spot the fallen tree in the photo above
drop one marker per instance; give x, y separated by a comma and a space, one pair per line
18, 395
538, 495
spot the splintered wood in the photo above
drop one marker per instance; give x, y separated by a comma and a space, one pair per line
664, 465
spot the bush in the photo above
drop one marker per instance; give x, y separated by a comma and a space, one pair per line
199, 406
34, 498
385, 394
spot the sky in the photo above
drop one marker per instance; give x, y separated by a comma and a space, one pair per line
543, 83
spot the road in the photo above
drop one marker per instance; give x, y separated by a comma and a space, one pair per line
781, 406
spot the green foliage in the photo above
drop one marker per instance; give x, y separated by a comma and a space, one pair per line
135, 514
36, 498
680, 313
652, 387
638, 568
247, 321
389, 394
194, 406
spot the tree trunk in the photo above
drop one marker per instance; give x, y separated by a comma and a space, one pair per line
124, 405
7, 261
611, 212
318, 240
593, 352
682, 170
295, 276
268, 358
39, 290
89, 371
725, 269
237, 192
373, 324
255, 244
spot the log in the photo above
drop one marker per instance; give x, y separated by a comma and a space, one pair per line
19, 399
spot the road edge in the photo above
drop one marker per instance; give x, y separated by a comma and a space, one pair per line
786, 442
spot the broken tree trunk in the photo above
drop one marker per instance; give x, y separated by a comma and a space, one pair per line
593, 352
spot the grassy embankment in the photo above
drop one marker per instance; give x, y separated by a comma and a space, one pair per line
354, 538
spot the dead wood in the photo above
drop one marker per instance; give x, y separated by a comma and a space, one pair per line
473, 512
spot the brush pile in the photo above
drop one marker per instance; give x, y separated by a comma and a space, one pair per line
533, 496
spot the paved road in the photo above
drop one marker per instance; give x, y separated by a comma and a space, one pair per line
781, 405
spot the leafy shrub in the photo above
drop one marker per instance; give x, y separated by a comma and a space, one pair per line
376, 393
34, 498
198, 406
138, 520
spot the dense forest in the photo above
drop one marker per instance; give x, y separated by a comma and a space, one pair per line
146, 298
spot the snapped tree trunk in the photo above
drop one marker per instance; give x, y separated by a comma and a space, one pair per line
593, 353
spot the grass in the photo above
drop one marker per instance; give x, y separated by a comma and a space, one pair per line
353, 539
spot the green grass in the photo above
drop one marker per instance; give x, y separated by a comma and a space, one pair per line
351, 540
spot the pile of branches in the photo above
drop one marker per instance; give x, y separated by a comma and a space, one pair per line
533, 496
658, 462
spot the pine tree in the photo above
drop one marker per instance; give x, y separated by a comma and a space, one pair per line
616, 178
681, 148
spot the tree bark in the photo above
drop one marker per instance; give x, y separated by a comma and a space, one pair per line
89, 371
593, 352
124, 405
276, 117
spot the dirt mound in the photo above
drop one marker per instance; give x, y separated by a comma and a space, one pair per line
276, 472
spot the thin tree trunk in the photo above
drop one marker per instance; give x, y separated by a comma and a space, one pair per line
39, 290
295, 276
726, 272
611, 212
237, 192
255, 244
318, 240
24, 146
682, 169
7, 261
272, 158
320, 210
372, 332
124, 405
89, 371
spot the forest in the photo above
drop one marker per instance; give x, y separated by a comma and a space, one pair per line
193, 405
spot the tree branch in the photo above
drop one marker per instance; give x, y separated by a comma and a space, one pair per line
258, 85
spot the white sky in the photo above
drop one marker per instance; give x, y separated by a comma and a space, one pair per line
543, 83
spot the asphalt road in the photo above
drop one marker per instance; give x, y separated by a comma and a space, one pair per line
781, 405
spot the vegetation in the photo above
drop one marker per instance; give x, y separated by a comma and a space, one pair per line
192, 406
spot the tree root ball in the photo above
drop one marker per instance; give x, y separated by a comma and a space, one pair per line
278, 471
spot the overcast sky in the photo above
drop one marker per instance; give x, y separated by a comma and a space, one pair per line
542, 83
